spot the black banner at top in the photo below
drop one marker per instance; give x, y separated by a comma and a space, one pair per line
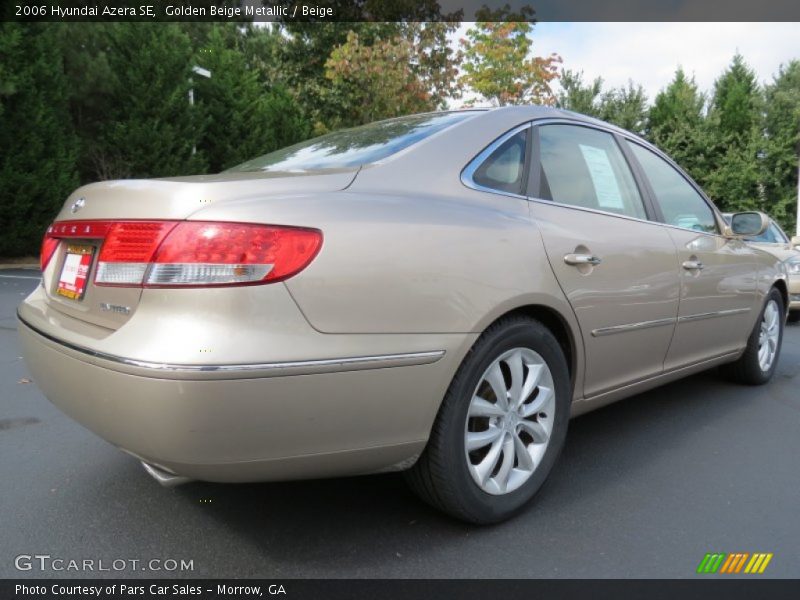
400, 10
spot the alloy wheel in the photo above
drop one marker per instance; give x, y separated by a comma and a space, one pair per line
769, 335
509, 421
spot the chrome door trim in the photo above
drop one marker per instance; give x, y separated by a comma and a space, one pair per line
713, 315
326, 365
632, 327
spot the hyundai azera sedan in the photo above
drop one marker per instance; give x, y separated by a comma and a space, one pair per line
436, 294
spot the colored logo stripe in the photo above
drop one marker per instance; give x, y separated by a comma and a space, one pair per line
734, 562
758, 563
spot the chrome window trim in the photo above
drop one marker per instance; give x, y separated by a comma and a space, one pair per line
325, 364
473, 165
602, 331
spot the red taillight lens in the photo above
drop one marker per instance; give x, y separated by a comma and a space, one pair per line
128, 250
201, 254
49, 245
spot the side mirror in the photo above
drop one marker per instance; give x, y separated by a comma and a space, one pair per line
796, 241
748, 224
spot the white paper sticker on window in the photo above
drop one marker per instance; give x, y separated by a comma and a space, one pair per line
603, 178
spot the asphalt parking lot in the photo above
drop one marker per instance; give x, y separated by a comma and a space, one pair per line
644, 488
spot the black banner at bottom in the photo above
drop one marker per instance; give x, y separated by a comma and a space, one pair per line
734, 588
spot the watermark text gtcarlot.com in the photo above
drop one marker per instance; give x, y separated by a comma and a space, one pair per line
46, 562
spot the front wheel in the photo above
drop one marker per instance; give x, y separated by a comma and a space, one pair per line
501, 425
757, 365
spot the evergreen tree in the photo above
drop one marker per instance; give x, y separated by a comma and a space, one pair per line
734, 175
625, 107
783, 145
577, 96
675, 123
244, 117
38, 148
131, 105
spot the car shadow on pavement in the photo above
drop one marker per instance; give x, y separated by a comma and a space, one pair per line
331, 525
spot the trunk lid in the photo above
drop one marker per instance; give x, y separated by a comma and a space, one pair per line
175, 198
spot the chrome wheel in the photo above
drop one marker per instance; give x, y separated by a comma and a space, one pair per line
769, 335
510, 420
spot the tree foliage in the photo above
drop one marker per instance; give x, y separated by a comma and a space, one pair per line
675, 123
498, 64
782, 160
732, 175
38, 147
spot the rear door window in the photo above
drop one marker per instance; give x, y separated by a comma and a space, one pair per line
585, 167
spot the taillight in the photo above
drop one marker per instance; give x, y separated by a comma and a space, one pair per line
128, 250
199, 254
49, 245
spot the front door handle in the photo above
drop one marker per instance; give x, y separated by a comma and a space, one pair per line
692, 265
582, 259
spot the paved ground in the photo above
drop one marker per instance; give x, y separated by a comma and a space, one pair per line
644, 489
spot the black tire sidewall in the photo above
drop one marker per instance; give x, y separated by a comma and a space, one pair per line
486, 507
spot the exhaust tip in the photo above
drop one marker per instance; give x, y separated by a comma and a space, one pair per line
168, 480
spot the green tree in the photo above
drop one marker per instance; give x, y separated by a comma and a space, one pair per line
782, 159
577, 96
388, 78
498, 64
130, 104
38, 148
676, 124
733, 175
625, 107
244, 116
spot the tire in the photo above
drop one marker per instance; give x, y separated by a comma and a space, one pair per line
794, 316
749, 369
447, 474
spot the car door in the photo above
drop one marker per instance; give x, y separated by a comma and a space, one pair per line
718, 275
615, 266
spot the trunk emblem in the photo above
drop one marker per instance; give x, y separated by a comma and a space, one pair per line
78, 204
115, 308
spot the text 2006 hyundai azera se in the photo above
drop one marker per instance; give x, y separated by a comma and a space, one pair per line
436, 293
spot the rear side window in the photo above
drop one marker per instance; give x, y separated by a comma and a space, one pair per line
585, 167
681, 204
503, 169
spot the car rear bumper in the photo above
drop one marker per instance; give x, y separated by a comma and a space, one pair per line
273, 421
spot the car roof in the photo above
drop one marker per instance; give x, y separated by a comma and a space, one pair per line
536, 111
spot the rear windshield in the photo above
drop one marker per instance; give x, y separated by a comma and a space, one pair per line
354, 147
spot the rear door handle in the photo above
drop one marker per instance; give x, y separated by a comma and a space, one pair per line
693, 265
582, 259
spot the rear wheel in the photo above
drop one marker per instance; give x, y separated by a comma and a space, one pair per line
794, 316
757, 365
501, 425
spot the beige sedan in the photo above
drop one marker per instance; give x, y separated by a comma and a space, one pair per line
436, 294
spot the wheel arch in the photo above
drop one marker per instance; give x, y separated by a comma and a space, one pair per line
558, 325
781, 286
